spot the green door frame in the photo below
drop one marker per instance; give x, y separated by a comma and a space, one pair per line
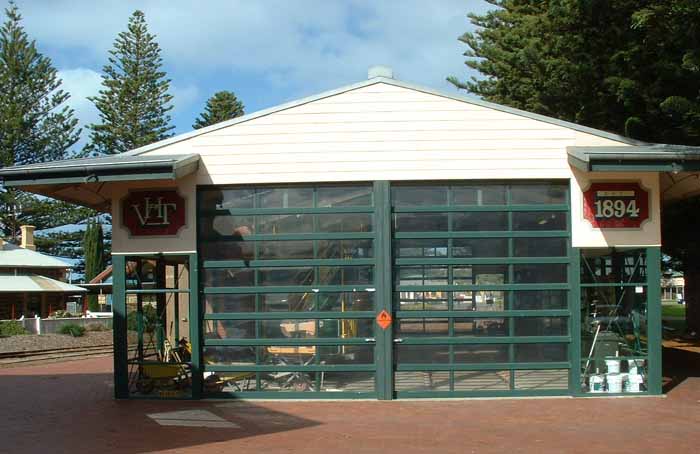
385, 338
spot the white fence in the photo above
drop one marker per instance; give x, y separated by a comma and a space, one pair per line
40, 325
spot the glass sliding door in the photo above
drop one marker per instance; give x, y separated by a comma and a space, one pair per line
288, 284
481, 289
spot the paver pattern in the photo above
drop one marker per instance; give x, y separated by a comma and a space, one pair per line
68, 407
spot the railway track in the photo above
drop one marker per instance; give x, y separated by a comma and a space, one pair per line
26, 356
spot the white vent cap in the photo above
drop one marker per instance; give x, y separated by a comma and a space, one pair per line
380, 71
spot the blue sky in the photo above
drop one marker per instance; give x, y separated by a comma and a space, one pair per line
267, 52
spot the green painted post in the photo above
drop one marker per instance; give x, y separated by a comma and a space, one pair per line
383, 294
654, 339
195, 328
575, 320
119, 327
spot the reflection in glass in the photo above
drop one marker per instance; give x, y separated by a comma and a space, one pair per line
420, 222
541, 326
540, 273
344, 196
481, 247
483, 194
539, 220
420, 248
541, 193
289, 197
529, 300
421, 301
529, 353
419, 195
540, 247
474, 221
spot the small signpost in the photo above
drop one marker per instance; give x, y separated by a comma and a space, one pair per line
616, 205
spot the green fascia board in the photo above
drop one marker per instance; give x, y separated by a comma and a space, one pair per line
92, 170
651, 158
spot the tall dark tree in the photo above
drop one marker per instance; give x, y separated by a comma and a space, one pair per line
134, 101
93, 247
36, 125
627, 66
221, 107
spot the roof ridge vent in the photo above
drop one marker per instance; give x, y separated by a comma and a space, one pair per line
380, 71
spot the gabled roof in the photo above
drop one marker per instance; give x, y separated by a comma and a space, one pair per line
389, 81
12, 256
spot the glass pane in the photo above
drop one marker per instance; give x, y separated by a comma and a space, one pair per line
539, 353
539, 220
344, 196
234, 227
286, 276
474, 221
292, 197
346, 354
421, 275
420, 248
288, 302
607, 265
345, 222
527, 300
420, 222
490, 274
542, 379
345, 249
225, 199
346, 301
479, 195
422, 381
347, 381
540, 247
419, 195
345, 275
481, 247
421, 301
482, 380
227, 250
536, 274
217, 304
229, 329
422, 354
228, 277
411, 327
281, 250
483, 300
547, 194
541, 326
279, 224
229, 355
480, 353
488, 327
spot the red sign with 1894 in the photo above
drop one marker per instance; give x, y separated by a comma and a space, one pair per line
616, 205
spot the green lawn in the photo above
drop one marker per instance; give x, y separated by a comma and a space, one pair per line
673, 310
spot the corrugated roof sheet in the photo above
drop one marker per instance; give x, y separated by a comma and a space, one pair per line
33, 283
15, 256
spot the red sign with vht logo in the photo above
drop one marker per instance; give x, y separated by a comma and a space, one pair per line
147, 213
616, 205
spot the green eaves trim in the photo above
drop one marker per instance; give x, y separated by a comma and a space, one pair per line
102, 169
654, 158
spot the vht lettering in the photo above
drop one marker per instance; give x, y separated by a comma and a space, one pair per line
154, 214
149, 213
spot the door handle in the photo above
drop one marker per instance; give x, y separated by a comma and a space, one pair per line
398, 340
370, 339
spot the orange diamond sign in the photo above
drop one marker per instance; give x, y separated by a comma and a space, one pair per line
384, 319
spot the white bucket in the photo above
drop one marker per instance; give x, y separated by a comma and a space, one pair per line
614, 383
633, 365
633, 382
596, 384
613, 366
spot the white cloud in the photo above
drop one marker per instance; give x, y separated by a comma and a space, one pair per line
302, 45
81, 83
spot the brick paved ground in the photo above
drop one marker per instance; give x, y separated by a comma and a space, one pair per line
68, 407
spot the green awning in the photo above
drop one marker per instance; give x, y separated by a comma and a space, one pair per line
120, 167
652, 158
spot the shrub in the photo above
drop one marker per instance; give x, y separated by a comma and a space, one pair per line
11, 328
72, 329
95, 327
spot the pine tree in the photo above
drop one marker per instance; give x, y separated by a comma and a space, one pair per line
625, 66
36, 125
134, 101
93, 248
221, 107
